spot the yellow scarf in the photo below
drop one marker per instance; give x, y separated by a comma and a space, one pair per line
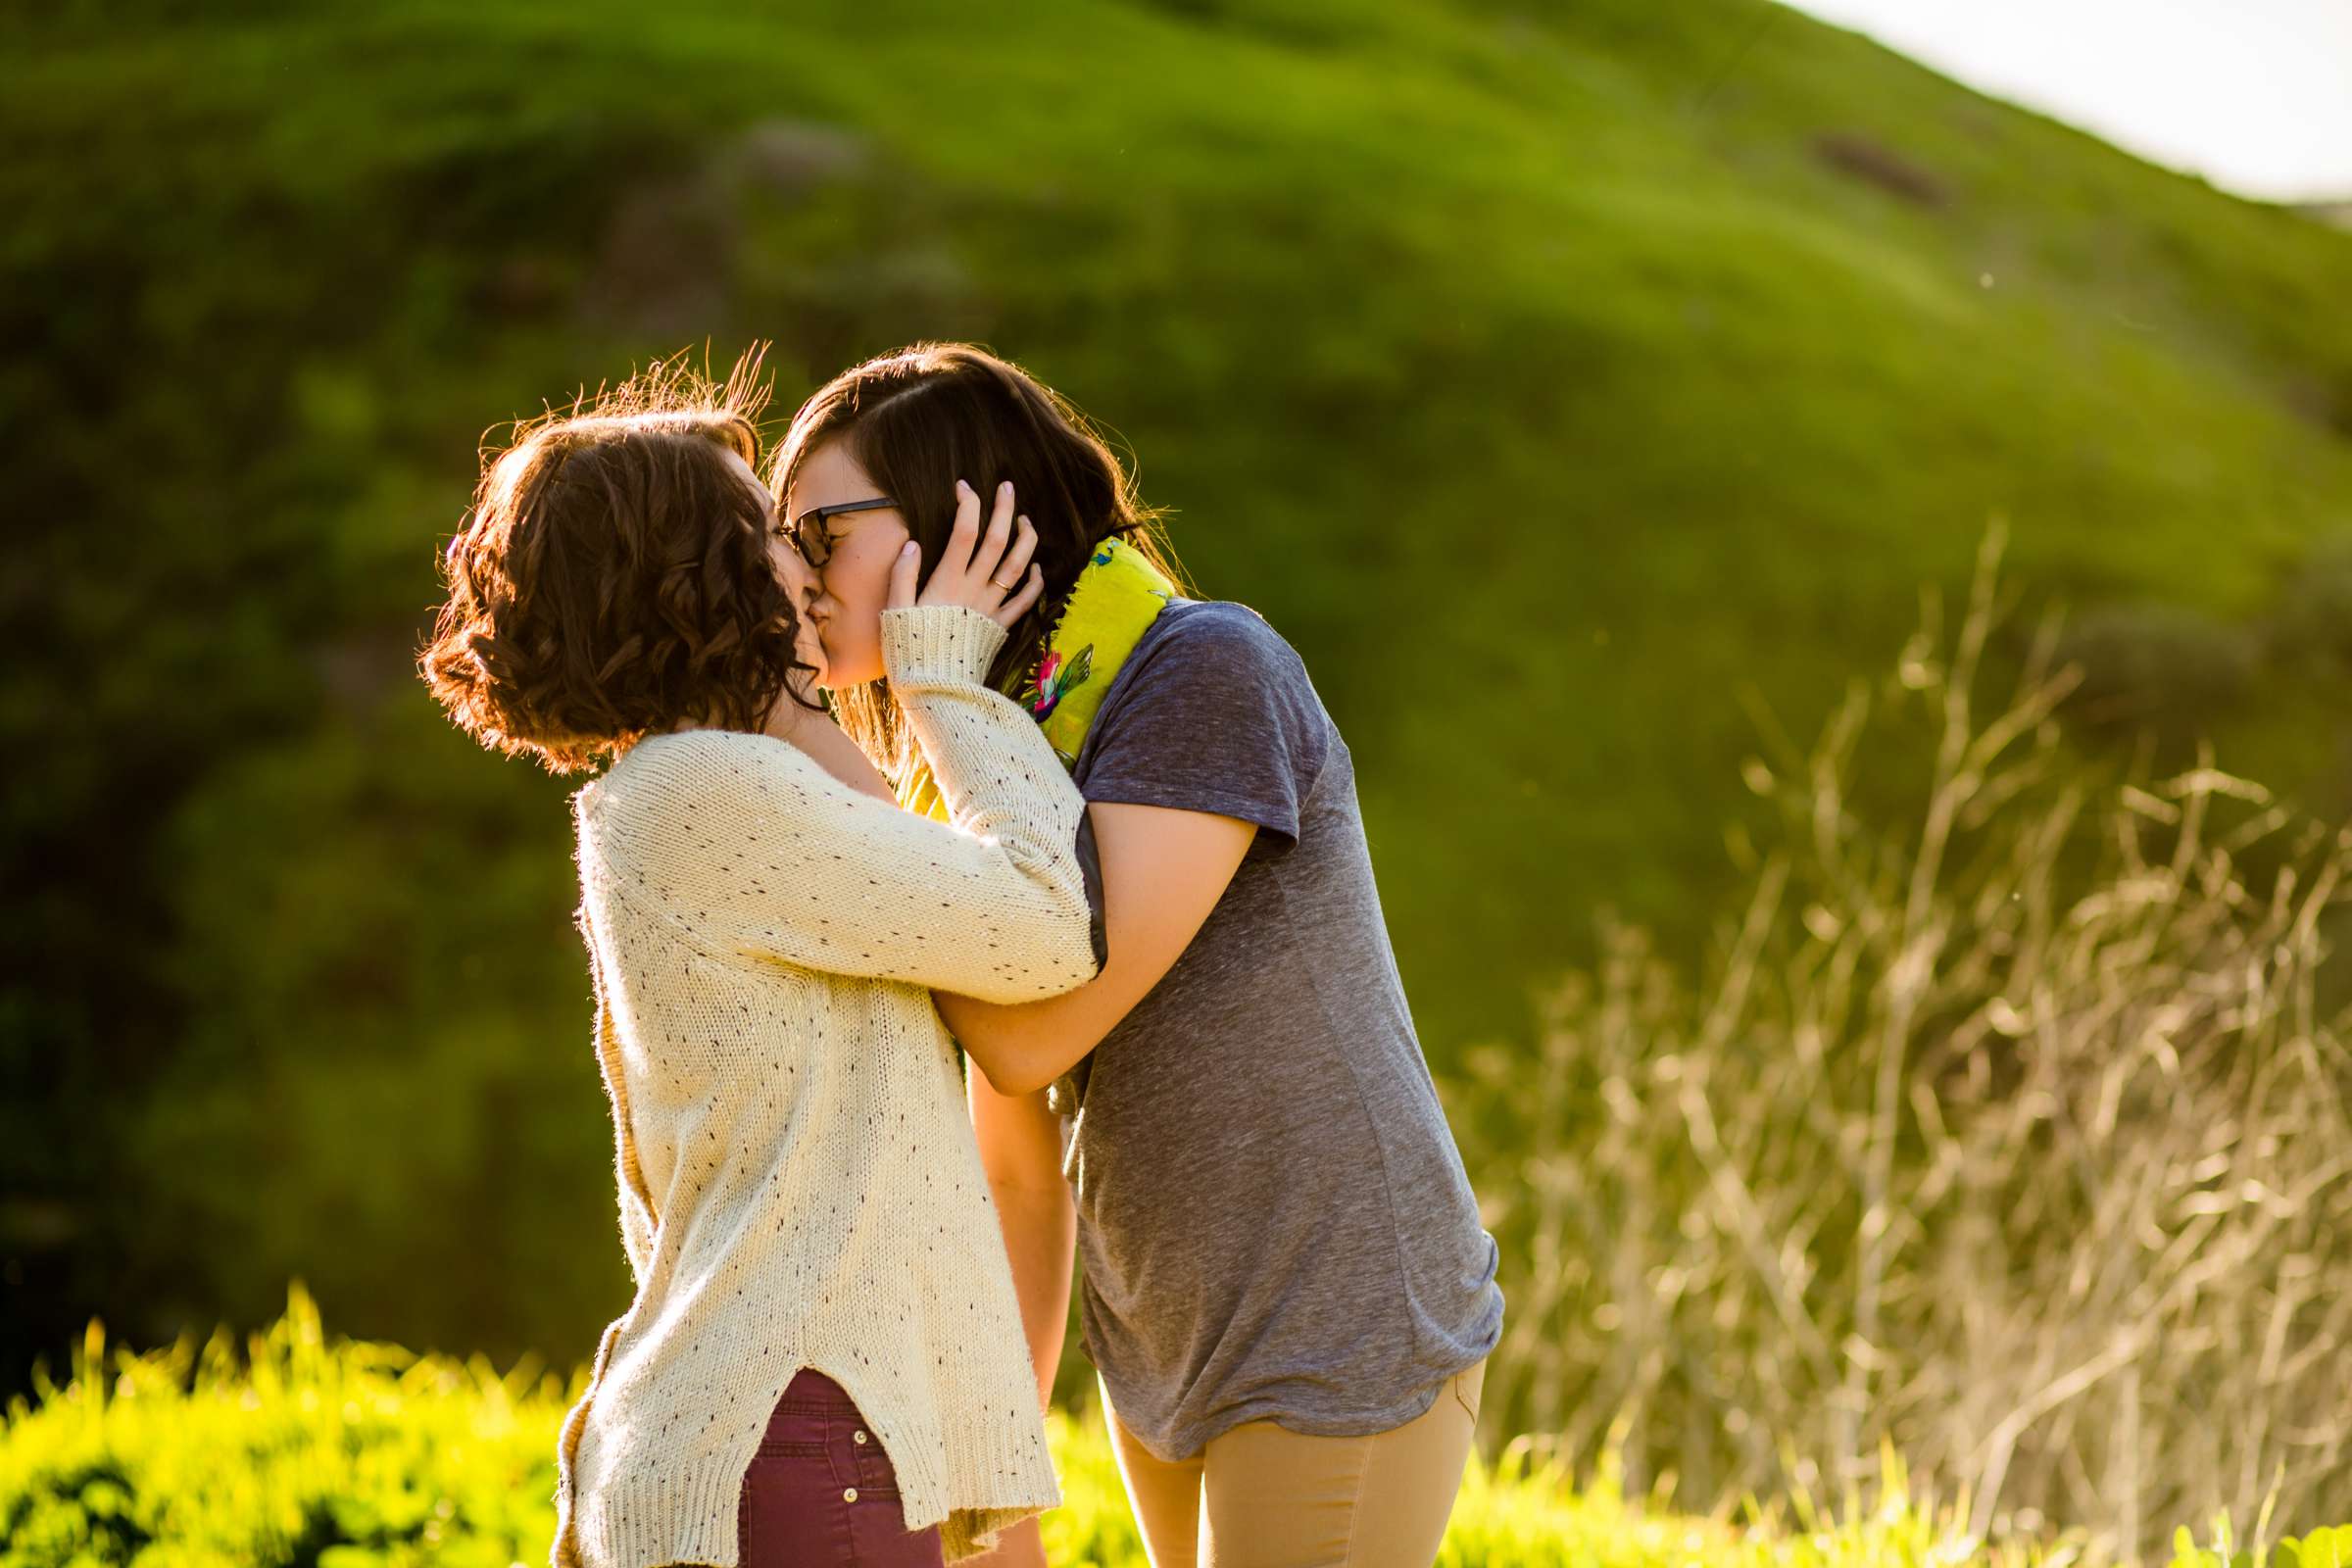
1117, 596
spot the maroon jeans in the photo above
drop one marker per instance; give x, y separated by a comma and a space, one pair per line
822, 1491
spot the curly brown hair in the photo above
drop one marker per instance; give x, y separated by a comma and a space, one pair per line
612, 579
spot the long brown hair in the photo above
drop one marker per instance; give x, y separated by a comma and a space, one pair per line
918, 419
612, 576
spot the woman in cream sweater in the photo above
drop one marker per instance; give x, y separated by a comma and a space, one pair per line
823, 1360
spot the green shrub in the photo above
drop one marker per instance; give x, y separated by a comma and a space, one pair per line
301, 1453
305, 1454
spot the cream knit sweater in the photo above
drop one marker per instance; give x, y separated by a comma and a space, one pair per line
799, 1183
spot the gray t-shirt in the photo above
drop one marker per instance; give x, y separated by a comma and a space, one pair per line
1273, 1220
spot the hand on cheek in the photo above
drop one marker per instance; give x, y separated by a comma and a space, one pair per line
989, 571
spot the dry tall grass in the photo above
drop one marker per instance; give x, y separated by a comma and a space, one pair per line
2013, 1140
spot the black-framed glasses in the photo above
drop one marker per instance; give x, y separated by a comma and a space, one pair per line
814, 540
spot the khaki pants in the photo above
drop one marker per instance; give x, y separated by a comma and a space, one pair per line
1261, 1496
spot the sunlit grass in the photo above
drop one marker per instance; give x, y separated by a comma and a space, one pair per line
298, 1450
2010, 1132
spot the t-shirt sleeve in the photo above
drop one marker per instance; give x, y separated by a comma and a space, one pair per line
1220, 716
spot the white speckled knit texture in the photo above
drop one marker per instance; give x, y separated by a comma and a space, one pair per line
798, 1180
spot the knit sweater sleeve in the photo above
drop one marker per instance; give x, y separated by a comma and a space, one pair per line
776, 860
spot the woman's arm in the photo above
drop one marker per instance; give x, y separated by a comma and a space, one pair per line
1163, 871
1020, 1150
752, 848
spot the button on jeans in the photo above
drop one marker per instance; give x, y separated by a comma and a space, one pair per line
822, 1491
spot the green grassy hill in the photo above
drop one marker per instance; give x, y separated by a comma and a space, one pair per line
1568, 387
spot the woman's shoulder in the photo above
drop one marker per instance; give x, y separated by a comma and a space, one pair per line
672, 772
1221, 631
667, 755
1209, 666
686, 809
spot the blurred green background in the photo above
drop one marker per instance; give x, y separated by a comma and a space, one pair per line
1584, 391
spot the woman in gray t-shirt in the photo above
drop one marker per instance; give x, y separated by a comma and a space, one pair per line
1287, 1290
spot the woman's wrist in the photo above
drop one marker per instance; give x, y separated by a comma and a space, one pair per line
923, 644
